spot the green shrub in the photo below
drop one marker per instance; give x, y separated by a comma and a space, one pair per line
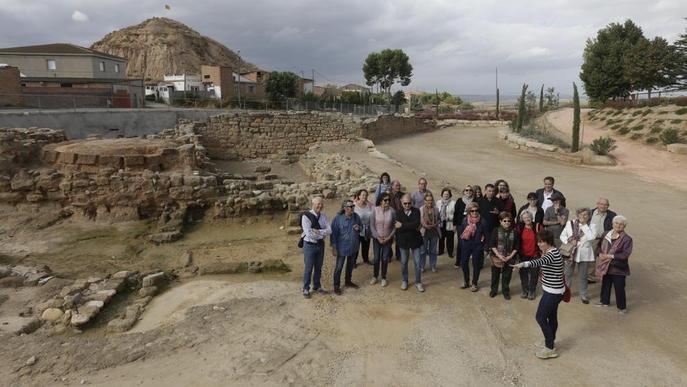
670, 136
636, 136
675, 121
655, 129
638, 127
616, 126
617, 112
636, 113
651, 140
647, 111
663, 112
681, 111
624, 130
603, 145
659, 121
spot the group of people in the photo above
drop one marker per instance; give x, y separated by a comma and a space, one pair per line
539, 239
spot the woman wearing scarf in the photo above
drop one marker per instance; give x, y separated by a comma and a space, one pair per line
446, 207
364, 210
527, 230
581, 234
459, 214
382, 230
429, 218
504, 245
613, 267
473, 232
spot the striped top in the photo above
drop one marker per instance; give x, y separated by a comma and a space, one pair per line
551, 265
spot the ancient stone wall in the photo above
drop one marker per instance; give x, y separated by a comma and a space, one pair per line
272, 135
386, 127
23, 146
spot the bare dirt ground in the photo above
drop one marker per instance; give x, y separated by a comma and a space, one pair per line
257, 330
646, 161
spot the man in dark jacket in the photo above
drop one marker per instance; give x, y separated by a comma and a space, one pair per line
546, 192
602, 218
409, 240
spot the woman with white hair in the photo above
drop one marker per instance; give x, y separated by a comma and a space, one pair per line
613, 267
581, 234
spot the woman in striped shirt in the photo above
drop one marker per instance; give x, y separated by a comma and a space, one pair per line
553, 286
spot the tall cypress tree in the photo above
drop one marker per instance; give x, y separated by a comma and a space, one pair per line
522, 108
576, 120
541, 99
497, 104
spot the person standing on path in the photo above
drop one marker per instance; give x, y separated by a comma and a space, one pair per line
504, 245
555, 217
409, 240
429, 216
315, 228
345, 240
446, 206
382, 229
581, 234
419, 195
533, 208
364, 210
396, 196
544, 194
613, 267
384, 186
553, 288
459, 214
602, 219
473, 232
527, 230
504, 199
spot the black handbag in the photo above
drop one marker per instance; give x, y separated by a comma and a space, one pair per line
620, 264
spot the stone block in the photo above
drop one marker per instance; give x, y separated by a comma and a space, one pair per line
66, 158
680, 149
133, 161
116, 162
153, 279
85, 159
52, 315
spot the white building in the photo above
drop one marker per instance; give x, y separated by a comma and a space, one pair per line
185, 82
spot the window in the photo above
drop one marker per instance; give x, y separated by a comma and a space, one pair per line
102, 66
52, 65
251, 89
206, 76
116, 67
65, 85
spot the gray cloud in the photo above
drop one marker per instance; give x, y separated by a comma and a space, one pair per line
453, 45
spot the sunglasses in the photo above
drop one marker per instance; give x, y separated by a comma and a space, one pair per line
474, 210
467, 190
506, 221
406, 203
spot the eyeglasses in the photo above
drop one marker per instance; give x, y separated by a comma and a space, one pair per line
467, 190
474, 210
406, 203
505, 221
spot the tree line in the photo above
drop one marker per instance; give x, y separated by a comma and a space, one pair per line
620, 60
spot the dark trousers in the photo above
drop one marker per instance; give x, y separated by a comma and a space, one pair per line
618, 282
504, 273
547, 316
459, 245
313, 257
382, 253
350, 263
529, 277
364, 250
446, 240
471, 249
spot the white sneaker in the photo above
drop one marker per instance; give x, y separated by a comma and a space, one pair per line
373, 281
434, 270
420, 287
404, 285
384, 283
546, 353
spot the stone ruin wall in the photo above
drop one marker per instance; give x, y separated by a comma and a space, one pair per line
272, 135
386, 127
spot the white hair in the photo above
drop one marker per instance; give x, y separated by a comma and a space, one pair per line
620, 219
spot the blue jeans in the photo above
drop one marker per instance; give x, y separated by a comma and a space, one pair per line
429, 247
471, 249
405, 253
547, 316
313, 256
382, 254
340, 260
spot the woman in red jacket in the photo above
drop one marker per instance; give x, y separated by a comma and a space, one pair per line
528, 251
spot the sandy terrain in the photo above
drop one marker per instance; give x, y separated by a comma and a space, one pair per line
257, 329
646, 161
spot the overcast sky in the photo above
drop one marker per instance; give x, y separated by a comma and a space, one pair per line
453, 45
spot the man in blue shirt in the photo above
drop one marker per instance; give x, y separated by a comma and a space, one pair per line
344, 240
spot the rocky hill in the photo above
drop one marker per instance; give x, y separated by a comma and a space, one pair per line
160, 46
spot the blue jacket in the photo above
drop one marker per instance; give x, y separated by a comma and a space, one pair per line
344, 238
481, 232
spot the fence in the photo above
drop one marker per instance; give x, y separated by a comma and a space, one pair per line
67, 101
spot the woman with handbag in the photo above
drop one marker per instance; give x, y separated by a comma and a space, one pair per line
613, 267
447, 207
553, 290
580, 233
473, 234
527, 230
504, 244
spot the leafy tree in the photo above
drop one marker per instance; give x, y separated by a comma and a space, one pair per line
531, 100
497, 104
576, 120
522, 109
551, 99
415, 103
387, 67
680, 68
603, 74
398, 99
541, 99
281, 85
649, 64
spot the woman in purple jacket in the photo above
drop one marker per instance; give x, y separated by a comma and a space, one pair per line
613, 266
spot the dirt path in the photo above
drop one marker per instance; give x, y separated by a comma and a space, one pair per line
646, 161
257, 330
